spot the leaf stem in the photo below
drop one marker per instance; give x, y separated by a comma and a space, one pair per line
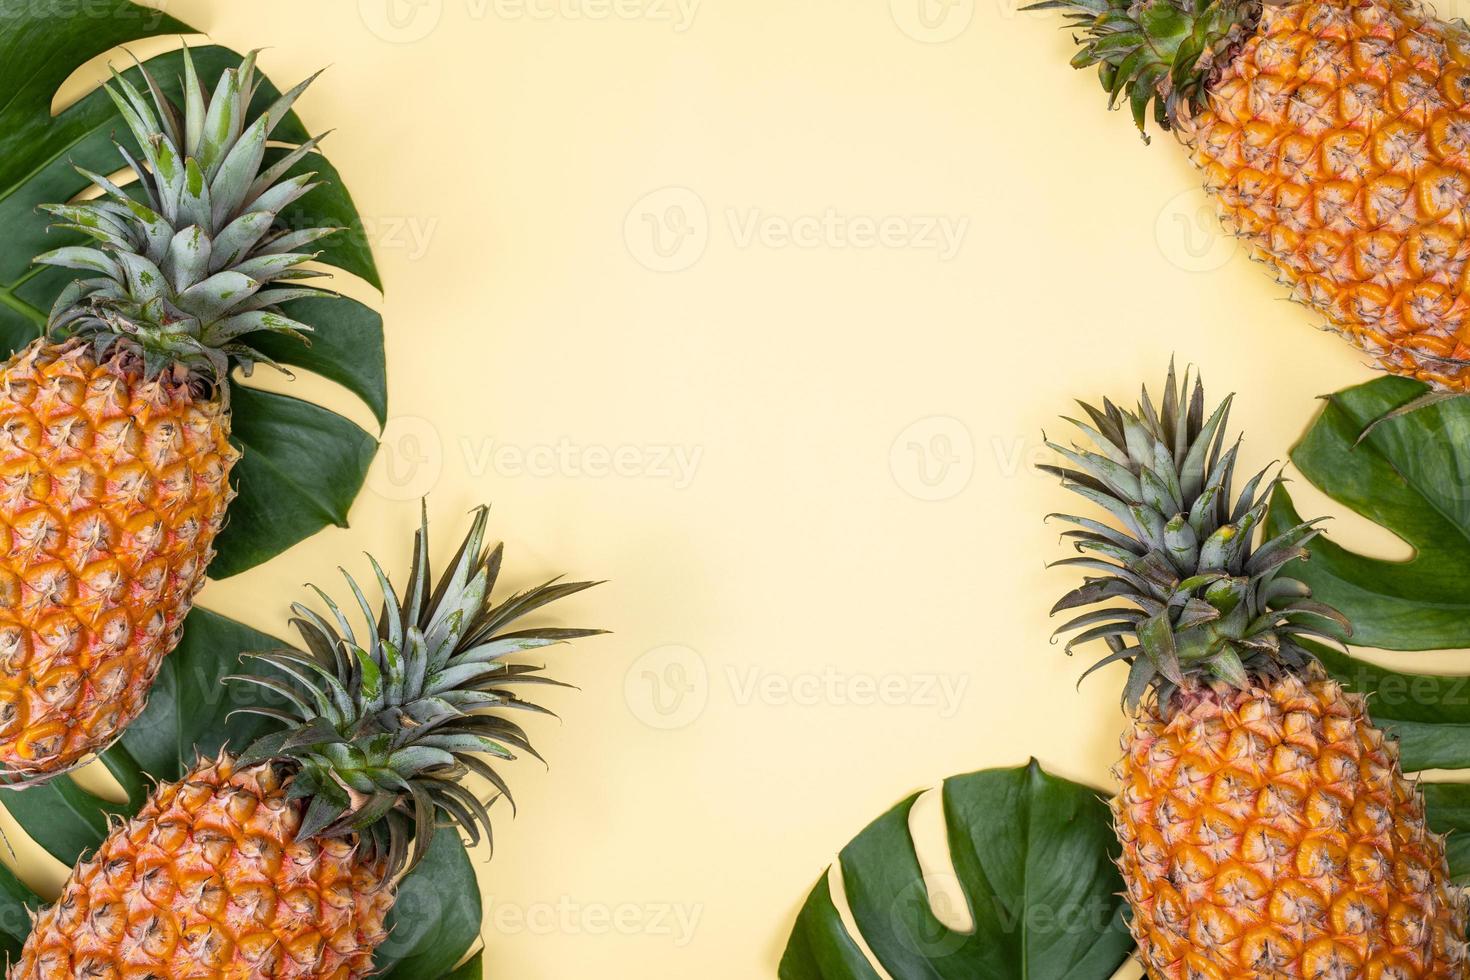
20, 306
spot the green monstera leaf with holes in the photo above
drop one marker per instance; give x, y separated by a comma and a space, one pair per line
1033, 856
302, 464
1410, 474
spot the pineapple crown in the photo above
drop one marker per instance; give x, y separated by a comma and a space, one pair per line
378, 733
1205, 602
1159, 55
191, 266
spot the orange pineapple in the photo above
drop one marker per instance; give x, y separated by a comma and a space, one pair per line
151, 903
1266, 827
1267, 831
282, 862
114, 487
115, 449
1335, 137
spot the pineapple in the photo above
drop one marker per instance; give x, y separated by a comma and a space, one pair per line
115, 453
282, 861
1335, 137
1266, 829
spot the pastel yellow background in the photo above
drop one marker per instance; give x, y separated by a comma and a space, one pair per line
668, 282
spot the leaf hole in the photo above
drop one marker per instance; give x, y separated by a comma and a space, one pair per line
947, 899
95, 779
1350, 530
838, 887
91, 74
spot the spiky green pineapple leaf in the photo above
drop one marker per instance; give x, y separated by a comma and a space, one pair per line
1033, 854
41, 45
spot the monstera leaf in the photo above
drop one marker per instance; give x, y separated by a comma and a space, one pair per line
1449, 813
17, 904
436, 919
436, 916
1411, 475
1033, 856
302, 464
474, 969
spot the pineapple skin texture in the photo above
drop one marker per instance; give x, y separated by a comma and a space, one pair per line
112, 490
1269, 832
1337, 144
209, 880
